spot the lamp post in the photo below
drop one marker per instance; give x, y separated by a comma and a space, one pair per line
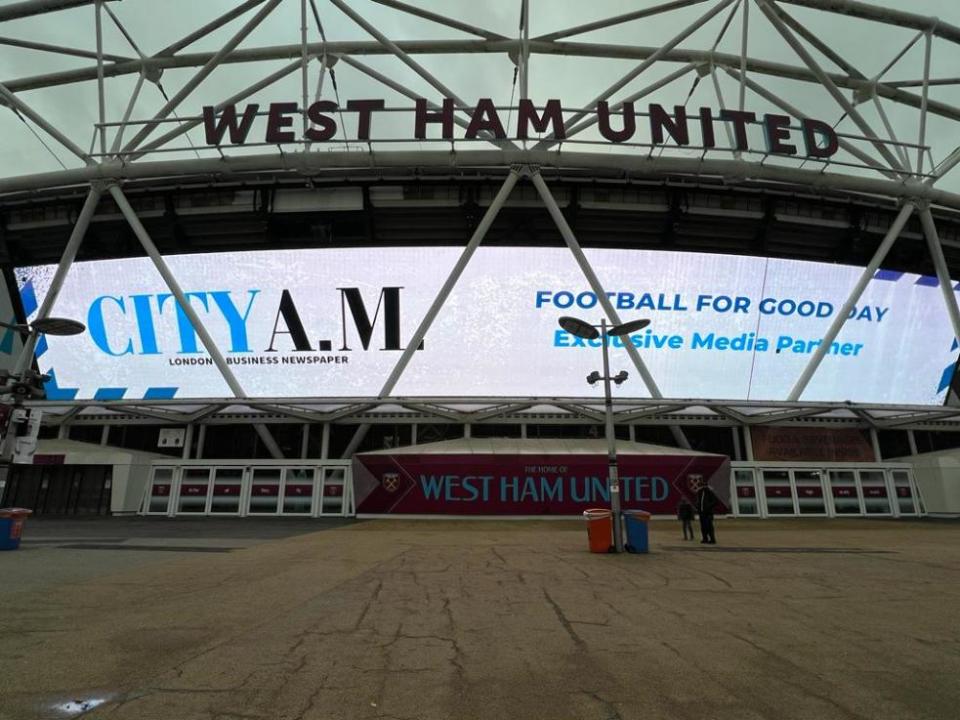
586, 330
22, 382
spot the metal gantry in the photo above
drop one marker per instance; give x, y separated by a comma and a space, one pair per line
873, 161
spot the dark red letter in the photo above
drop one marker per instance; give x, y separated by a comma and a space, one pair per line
776, 129
706, 128
739, 118
812, 128
364, 110
444, 116
629, 122
327, 126
485, 118
278, 119
228, 121
660, 119
552, 115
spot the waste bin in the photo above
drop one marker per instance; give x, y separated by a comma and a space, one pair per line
11, 527
599, 529
638, 534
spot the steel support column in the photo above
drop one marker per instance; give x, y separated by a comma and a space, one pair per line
304, 440
98, 10
570, 239
840, 318
151, 249
940, 263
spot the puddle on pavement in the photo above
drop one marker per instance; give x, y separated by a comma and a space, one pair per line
75, 707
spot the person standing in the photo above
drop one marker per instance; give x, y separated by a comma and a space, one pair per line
706, 504
685, 515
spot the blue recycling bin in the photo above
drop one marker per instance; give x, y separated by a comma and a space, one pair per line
638, 530
11, 527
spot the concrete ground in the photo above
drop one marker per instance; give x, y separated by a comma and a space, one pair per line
183, 620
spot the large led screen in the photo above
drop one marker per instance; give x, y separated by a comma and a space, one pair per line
333, 322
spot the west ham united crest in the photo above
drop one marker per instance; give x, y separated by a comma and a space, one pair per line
390, 482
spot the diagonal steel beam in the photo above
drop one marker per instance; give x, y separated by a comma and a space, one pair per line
24, 109
412, 94
478, 235
63, 268
202, 74
625, 416
406, 59
188, 125
442, 19
210, 27
571, 126
611, 312
800, 115
619, 19
582, 411
29, 8
60, 50
480, 415
841, 317
816, 42
940, 263
828, 84
208, 342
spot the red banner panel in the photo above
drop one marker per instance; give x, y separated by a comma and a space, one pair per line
520, 484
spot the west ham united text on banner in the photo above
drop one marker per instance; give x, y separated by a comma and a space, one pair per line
333, 322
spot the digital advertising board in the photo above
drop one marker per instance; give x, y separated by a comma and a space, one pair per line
334, 322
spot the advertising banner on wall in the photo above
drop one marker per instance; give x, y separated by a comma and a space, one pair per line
334, 322
525, 484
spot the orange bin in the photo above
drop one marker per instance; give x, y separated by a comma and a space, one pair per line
599, 529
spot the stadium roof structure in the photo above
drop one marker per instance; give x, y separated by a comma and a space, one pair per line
887, 193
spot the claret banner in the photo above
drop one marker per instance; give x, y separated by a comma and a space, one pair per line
334, 323
514, 484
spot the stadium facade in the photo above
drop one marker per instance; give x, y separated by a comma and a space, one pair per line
348, 265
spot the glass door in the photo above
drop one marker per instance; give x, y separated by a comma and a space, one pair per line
194, 488
809, 485
876, 499
745, 492
903, 488
161, 484
265, 490
298, 491
332, 491
778, 492
227, 489
845, 492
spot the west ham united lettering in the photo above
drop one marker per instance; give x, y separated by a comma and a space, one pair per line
782, 134
128, 325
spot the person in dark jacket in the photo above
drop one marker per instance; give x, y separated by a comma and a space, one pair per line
685, 515
706, 504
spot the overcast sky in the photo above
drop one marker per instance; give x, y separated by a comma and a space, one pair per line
153, 25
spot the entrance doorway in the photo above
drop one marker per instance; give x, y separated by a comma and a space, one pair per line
59, 489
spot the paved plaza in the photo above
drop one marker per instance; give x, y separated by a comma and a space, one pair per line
284, 620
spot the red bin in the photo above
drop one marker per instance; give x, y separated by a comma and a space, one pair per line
599, 529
